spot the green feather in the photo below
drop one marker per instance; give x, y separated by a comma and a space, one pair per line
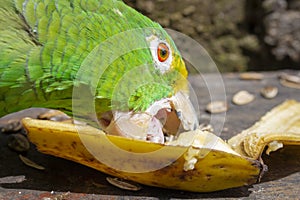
45, 43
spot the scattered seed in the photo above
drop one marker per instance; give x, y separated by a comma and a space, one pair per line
124, 184
18, 142
290, 84
217, 107
12, 179
242, 97
290, 78
251, 76
269, 92
291, 81
30, 163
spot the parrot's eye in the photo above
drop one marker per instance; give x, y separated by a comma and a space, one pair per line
163, 52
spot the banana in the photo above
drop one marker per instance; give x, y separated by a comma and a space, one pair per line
196, 161
199, 167
280, 126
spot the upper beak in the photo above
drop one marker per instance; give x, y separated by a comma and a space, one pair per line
185, 114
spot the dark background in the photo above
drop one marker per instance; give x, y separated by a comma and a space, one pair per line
239, 34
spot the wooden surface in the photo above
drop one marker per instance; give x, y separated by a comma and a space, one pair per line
282, 181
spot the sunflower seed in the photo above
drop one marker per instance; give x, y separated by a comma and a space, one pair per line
290, 84
242, 97
217, 107
291, 81
30, 163
12, 179
251, 76
124, 184
269, 92
290, 78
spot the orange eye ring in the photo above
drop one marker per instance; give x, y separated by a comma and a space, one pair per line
163, 52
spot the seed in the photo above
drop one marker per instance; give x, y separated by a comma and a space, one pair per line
217, 107
12, 179
289, 84
251, 76
291, 81
30, 163
290, 78
124, 184
269, 92
242, 97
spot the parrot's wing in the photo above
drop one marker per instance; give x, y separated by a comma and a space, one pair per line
42, 46
15, 43
45, 43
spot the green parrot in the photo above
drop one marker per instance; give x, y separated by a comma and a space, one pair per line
93, 59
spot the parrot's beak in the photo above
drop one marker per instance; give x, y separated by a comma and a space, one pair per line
178, 117
163, 121
185, 111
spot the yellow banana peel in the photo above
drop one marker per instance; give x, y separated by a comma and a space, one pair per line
280, 126
197, 161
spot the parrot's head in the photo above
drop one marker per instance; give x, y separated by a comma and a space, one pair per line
150, 98
142, 88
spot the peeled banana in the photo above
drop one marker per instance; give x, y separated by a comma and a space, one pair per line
197, 161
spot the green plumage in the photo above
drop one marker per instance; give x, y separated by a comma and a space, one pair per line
45, 43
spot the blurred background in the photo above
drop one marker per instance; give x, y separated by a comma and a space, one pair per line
240, 35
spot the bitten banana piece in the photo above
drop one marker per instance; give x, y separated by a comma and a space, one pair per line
197, 161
